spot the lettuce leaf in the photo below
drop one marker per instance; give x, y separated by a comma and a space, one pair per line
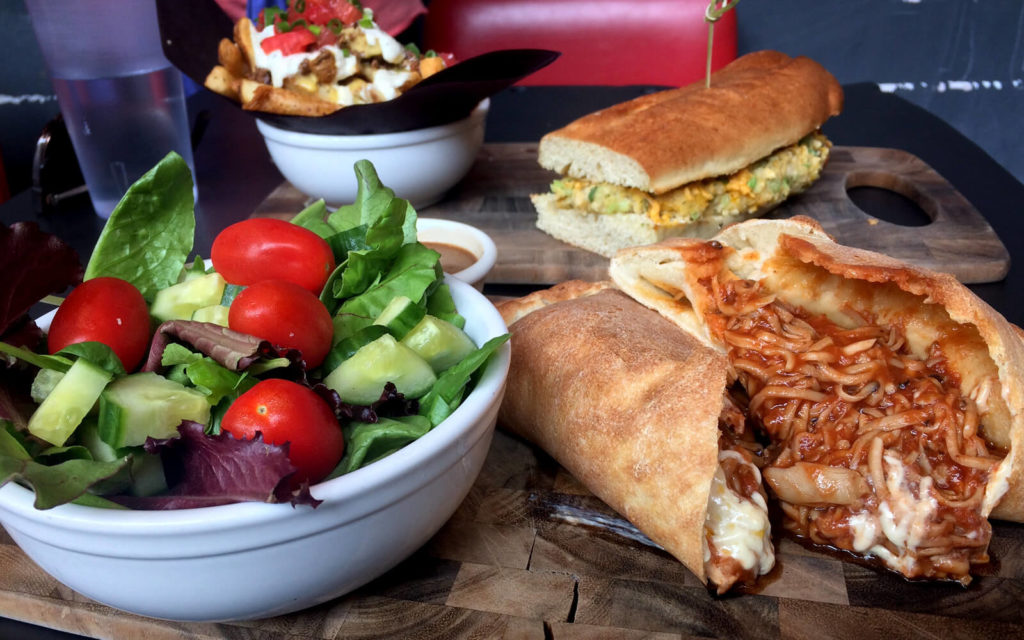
413, 272
366, 442
149, 235
53, 484
447, 393
207, 470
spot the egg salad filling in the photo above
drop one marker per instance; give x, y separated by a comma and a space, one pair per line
366, 65
788, 171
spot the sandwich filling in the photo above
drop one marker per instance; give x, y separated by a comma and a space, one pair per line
765, 183
872, 449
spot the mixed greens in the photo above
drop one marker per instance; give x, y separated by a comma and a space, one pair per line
75, 426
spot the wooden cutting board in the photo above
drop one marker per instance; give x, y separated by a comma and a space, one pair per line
530, 554
494, 196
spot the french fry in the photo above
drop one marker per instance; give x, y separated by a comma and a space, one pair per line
221, 81
262, 97
430, 66
243, 39
230, 57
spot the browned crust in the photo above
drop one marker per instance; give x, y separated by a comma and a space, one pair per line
627, 403
758, 103
512, 310
795, 254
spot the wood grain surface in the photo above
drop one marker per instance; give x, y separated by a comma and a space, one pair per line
494, 196
530, 554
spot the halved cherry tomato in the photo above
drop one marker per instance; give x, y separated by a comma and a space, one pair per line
107, 310
295, 41
323, 11
271, 249
285, 411
286, 315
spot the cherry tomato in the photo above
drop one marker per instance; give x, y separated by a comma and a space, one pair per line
323, 11
285, 411
107, 310
295, 41
286, 315
271, 249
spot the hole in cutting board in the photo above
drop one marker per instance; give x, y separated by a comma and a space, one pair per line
891, 198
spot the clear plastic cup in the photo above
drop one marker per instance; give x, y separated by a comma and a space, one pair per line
122, 101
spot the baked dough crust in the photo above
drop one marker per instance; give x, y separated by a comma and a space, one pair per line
624, 401
797, 261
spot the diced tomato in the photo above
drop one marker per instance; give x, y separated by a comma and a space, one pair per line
295, 41
449, 58
323, 11
326, 38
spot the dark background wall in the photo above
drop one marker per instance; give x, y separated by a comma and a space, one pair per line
963, 60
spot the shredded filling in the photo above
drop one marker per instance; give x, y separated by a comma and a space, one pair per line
872, 450
737, 531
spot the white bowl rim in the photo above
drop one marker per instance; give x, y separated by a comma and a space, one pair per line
372, 140
489, 256
20, 500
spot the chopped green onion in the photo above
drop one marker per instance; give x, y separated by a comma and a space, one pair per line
430, 54
591, 194
752, 183
412, 47
334, 24
315, 29
283, 26
300, 6
366, 23
345, 53
271, 14
299, 23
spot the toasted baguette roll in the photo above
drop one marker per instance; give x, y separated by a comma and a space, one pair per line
630, 406
863, 363
688, 161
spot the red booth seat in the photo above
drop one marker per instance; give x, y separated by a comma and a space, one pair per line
603, 42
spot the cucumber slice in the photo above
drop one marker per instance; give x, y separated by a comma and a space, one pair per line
147, 474
399, 316
347, 347
215, 313
147, 405
231, 292
68, 403
44, 382
180, 301
439, 342
361, 378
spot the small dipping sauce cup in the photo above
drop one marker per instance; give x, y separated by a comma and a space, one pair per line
466, 252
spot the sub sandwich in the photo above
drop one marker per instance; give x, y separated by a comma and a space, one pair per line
890, 397
635, 409
688, 161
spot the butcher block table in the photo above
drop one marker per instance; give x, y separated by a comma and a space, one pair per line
531, 553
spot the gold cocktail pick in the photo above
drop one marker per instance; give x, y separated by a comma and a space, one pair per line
716, 9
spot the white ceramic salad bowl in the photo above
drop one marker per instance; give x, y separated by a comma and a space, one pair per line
256, 560
419, 165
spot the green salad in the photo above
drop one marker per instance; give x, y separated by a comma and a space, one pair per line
300, 351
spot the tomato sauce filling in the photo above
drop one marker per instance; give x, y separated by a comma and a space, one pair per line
872, 450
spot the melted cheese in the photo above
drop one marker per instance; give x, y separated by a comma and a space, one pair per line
738, 527
902, 519
383, 84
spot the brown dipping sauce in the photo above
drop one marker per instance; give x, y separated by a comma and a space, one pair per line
453, 258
